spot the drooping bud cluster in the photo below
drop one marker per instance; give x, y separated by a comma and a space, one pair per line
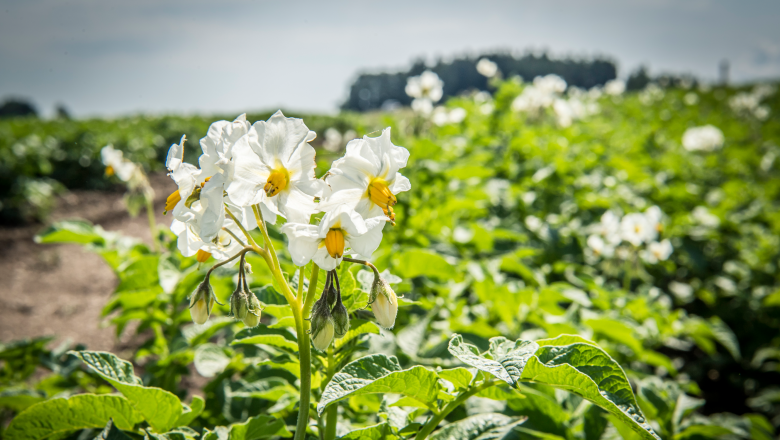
244, 305
383, 301
329, 317
202, 301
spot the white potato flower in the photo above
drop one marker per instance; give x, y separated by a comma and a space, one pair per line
423, 106
705, 138
599, 247
116, 164
367, 177
487, 68
657, 251
426, 86
341, 229
635, 229
273, 164
187, 177
615, 87
191, 243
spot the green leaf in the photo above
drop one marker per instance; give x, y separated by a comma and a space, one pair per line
111, 432
377, 432
507, 358
210, 359
56, 417
196, 334
191, 413
71, 231
259, 427
280, 338
460, 377
357, 327
140, 274
417, 262
159, 408
20, 399
591, 373
478, 427
168, 273
380, 374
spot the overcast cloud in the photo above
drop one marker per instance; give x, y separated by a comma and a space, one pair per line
111, 58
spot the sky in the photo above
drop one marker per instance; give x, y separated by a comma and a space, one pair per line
111, 58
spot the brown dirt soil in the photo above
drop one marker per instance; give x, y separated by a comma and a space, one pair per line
60, 290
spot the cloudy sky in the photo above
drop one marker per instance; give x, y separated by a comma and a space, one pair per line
112, 58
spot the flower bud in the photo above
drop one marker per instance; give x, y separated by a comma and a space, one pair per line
322, 326
201, 302
384, 303
238, 304
340, 318
253, 313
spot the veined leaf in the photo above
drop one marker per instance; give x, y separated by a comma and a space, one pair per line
591, 373
357, 327
195, 408
111, 432
56, 417
259, 427
460, 377
508, 358
71, 231
158, 407
380, 374
479, 427
281, 338
377, 432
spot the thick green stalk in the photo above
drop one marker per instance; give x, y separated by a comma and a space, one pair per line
331, 415
434, 422
304, 353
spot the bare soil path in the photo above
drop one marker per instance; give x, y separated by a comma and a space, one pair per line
60, 290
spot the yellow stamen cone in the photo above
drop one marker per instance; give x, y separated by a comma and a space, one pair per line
334, 243
172, 201
202, 256
277, 181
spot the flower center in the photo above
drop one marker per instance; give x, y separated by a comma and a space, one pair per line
202, 256
637, 229
334, 243
172, 201
277, 181
109, 171
380, 194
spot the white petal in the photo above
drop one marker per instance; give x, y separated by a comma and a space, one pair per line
303, 242
366, 244
323, 259
400, 184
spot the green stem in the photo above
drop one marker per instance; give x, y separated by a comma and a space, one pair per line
364, 263
264, 230
331, 415
152, 223
304, 352
434, 422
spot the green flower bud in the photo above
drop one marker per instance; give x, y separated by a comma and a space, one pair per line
384, 302
322, 339
239, 304
201, 302
322, 325
254, 310
340, 318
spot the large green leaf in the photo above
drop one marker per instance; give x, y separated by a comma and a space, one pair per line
587, 371
140, 274
259, 427
276, 337
479, 427
380, 374
160, 408
357, 327
56, 417
111, 432
377, 432
505, 359
418, 262
71, 231
191, 413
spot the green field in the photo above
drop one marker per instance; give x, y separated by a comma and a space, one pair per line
494, 240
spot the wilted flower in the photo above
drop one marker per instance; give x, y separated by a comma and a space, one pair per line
201, 302
706, 138
487, 68
615, 87
340, 229
426, 86
367, 177
274, 165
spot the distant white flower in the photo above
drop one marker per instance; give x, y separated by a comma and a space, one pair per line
540, 95
691, 98
487, 68
333, 139
599, 247
426, 86
340, 230
443, 116
615, 87
367, 177
684, 292
609, 228
635, 229
422, 106
550, 84
705, 138
749, 103
116, 164
274, 166
657, 251
703, 216
654, 216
